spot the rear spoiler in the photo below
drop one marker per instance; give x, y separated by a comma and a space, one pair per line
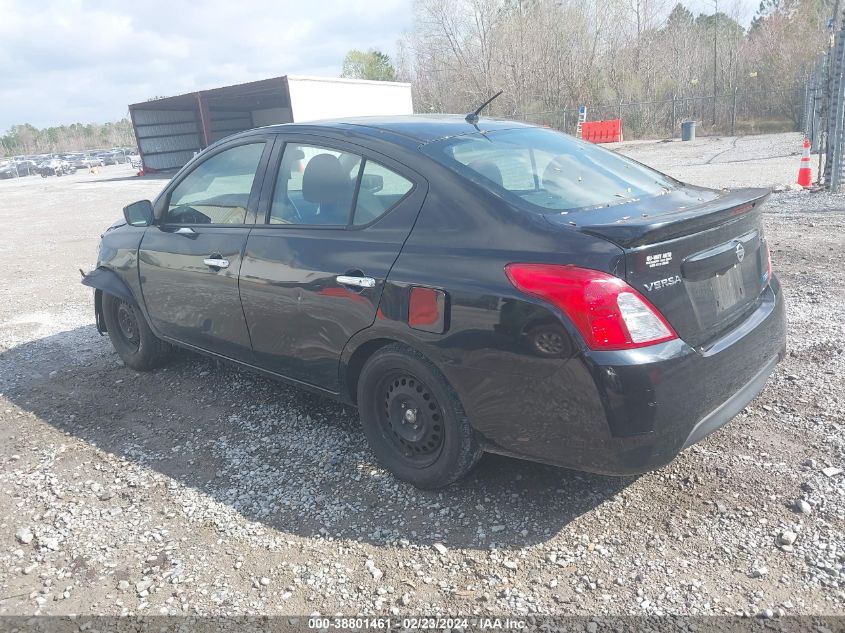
659, 224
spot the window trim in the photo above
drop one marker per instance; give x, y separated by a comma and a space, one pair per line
410, 191
351, 221
335, 145
254, 192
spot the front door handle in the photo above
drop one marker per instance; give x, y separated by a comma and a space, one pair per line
213, 262
358, 282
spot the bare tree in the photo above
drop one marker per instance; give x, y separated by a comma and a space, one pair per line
551, 55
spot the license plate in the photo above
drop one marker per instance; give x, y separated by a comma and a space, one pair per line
728, 289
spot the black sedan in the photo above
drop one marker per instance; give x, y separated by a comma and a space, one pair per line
470, 287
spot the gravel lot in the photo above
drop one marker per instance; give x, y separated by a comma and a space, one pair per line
202, 489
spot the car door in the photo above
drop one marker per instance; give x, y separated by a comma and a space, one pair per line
332, 220
190, 259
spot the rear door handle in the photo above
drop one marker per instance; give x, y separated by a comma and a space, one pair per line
358, 282
213, 262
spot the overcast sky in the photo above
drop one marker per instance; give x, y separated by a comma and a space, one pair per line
63, 61
67, 61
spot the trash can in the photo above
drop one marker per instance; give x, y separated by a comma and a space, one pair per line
688, 131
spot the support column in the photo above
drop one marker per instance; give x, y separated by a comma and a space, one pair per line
205, 120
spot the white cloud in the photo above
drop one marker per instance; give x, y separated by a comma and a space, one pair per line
63, 61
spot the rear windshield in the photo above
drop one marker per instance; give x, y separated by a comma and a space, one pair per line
549, 171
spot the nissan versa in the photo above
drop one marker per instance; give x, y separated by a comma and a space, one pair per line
470, 285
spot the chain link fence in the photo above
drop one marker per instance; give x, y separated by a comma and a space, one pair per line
823, 119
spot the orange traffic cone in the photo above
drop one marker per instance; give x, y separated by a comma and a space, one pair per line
805, 172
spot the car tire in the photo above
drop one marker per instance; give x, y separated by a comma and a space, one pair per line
413, 419
131, 336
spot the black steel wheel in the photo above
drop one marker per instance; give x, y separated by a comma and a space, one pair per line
128, 324
411, 418
132, 338
414, 420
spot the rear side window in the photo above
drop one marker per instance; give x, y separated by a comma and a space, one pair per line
217, 190
546, 171
314, 186
379, 191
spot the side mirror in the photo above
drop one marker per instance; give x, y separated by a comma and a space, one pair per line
372, 183
139, 213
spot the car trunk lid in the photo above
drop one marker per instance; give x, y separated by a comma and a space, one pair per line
698, 255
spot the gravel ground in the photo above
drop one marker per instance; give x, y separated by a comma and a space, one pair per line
203, 489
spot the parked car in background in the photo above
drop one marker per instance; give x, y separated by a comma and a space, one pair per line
8, 170
27, 167
86, 161
470, 285
56, 167
17, 168
112, 157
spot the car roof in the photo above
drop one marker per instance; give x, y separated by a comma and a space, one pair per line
416, 128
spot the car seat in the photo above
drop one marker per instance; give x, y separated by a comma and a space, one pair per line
326, 184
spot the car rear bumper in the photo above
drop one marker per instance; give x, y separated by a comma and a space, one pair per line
628, 412
726, 412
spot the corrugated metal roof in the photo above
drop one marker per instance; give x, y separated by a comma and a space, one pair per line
265, 93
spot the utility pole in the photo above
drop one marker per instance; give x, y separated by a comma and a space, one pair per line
715, 37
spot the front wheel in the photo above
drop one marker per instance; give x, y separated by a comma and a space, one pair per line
132, 338
413, 419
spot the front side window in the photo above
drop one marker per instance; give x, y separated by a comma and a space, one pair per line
546, 171
217, 190
314, 186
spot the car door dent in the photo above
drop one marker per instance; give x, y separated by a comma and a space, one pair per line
284, 277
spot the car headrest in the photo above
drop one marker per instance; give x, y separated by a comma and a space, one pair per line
488, 169
324, 180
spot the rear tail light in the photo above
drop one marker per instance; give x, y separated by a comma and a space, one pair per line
608, 313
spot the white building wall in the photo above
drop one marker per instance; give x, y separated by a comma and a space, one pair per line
315, 98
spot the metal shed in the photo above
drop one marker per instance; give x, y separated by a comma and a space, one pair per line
171, 130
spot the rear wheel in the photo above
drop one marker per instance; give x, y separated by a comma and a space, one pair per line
413, 419
132, 338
